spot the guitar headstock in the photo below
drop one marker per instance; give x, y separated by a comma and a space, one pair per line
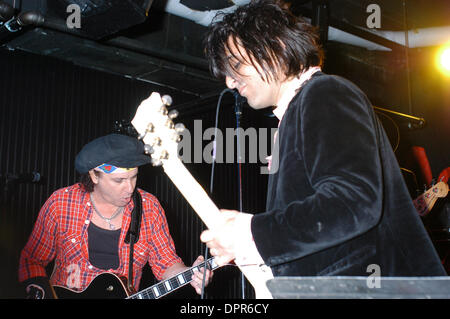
425, 202
440, 189
156, 128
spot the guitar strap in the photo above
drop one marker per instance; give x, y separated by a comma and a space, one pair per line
133, 233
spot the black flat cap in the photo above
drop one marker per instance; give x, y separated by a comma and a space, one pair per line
115, 149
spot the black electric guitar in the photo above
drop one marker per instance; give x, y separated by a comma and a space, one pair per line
111, 286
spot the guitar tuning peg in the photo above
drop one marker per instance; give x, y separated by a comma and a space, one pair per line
167, 100
148, 149
156, 162
164, 155
173, 114
176, 137
157, 141
179, 127
163, 110
170, 124
150, 128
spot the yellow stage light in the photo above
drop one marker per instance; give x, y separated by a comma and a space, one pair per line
443, 59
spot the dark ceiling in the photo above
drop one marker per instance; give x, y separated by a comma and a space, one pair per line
166, 48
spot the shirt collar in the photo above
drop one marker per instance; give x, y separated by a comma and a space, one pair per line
291, 89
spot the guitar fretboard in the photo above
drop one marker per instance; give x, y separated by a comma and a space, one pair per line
164, 287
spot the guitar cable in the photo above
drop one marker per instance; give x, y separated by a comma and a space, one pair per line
205, 266
211, 183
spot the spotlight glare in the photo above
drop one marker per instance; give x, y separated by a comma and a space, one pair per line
443, 59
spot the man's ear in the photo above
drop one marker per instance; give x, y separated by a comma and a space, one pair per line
94, 176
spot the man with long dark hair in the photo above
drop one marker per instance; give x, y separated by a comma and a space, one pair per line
336, 201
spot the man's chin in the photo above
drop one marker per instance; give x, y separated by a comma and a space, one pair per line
124, 201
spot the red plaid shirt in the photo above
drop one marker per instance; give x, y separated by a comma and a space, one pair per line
61, 232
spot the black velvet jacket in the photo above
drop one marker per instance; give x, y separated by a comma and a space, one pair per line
337, 201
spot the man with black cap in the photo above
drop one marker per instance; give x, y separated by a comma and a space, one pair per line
84, 228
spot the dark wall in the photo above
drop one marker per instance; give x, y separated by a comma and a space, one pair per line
383, 76
48, 110
418, 89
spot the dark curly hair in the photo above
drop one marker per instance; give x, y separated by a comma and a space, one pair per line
86, 181
272, 37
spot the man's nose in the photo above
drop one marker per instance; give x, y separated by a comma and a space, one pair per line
130, 186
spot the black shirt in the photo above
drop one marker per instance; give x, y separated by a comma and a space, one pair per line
103, 247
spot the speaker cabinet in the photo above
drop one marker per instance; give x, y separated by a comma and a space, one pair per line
100, 18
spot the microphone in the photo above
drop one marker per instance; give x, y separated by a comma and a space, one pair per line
234, 92
33, 177
238, 99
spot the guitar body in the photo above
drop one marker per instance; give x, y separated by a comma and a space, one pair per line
104, 286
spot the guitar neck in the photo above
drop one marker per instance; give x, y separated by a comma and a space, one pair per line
169, 285
193, 192
208, 212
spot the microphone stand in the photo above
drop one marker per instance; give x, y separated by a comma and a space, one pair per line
238, 112
238, 101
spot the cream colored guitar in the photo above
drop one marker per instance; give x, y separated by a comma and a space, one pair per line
161, 136
425, 202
